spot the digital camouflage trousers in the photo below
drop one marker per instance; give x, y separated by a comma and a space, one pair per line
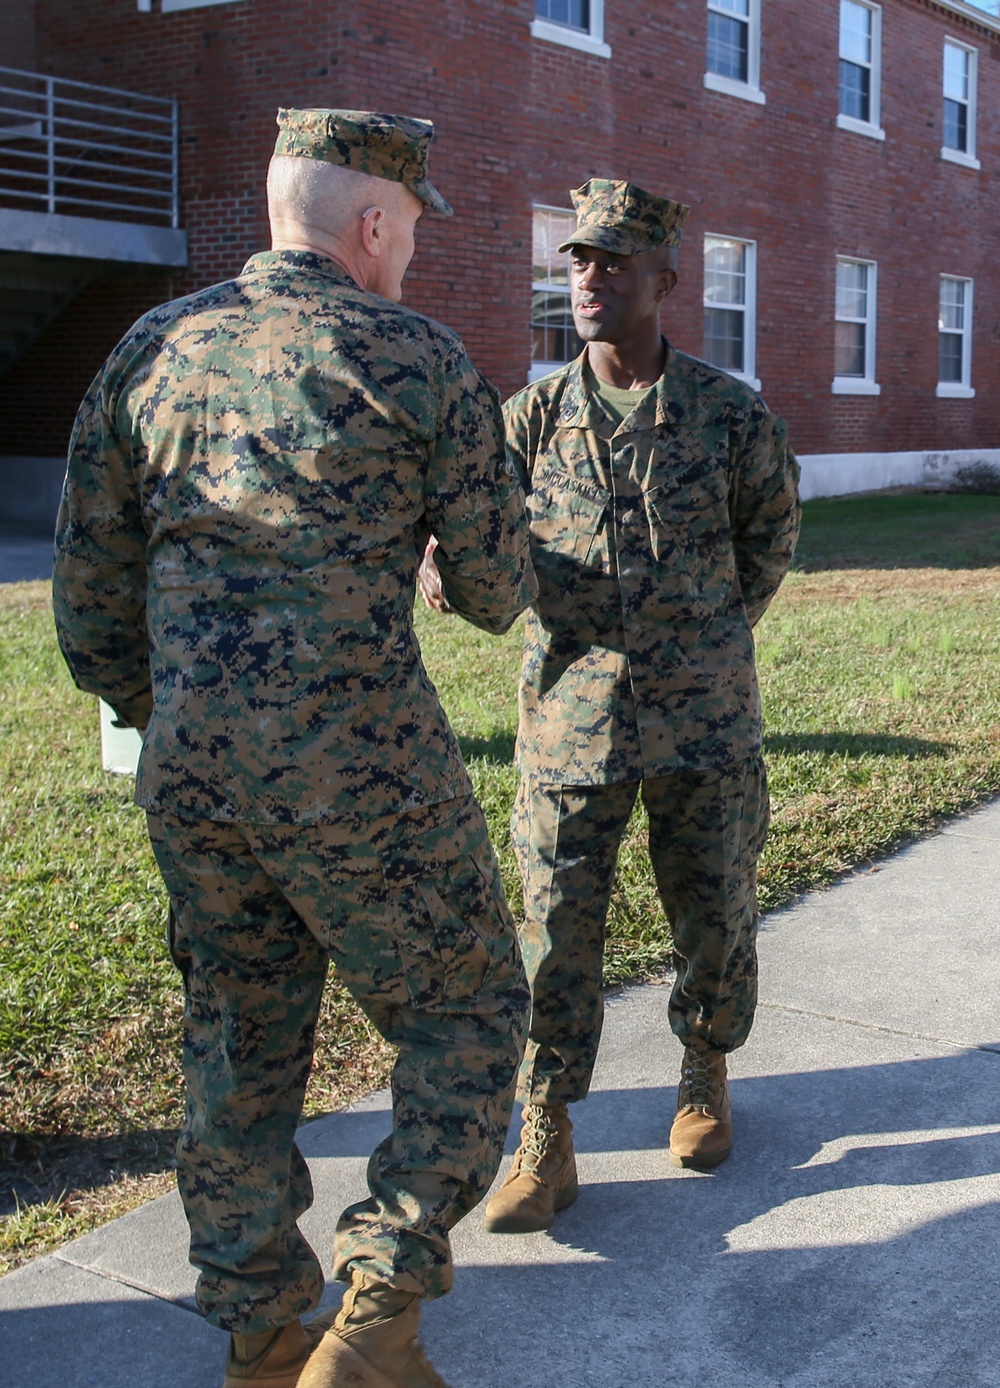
706, 833
411, 912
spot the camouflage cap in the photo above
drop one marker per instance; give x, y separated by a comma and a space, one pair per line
623, 218
392, 147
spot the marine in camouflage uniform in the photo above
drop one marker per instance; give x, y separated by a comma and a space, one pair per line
252, 478
662, 519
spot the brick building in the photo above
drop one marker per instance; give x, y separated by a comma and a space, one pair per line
840, 158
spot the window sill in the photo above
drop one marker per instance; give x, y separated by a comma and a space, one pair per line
752, 381
538, 369
958, 156
860, 127
950, 390
166, 6
569, 38
854, 385
728, 86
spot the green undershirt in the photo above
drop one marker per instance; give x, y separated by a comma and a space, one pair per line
614, 401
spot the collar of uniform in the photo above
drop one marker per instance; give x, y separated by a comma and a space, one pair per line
658, 407
579, 410
297, 260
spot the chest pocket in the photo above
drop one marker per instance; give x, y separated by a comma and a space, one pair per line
565, 518
568, 522
690, 535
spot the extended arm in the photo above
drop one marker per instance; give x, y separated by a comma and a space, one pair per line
475, 506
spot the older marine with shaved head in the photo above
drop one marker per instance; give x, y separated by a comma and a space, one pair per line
252, 478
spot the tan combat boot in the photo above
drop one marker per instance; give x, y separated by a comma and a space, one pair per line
543, 1177
702, 1134
372, 1343
273, 1359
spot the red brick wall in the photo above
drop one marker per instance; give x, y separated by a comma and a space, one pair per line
17, 34
783, 175
521, 121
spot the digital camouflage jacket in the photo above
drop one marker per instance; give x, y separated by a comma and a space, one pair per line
656, 548
252, 477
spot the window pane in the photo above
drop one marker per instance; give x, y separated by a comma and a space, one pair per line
852, 290
553, 337
574, 13
855, 32
956, 126
952, 305
849, 353
956, 72
725, 271
740, 7
724, 328
728, 47
953, 322
950, 358
855, 91
549, 230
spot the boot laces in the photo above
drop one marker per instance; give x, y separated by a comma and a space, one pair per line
540, 1132
696, 1080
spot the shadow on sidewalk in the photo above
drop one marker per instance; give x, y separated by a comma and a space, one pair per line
850, 1240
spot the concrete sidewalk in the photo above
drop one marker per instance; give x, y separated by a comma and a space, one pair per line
851, 1240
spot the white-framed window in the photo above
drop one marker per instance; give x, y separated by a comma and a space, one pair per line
553, 336
733, 54
575, 23
854, 340
955, 339
958, 126
861, 68
730, 300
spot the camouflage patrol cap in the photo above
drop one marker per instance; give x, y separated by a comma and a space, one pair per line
391, 147
623, 218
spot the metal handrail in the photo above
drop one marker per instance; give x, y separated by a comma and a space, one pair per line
102, 148
99, 147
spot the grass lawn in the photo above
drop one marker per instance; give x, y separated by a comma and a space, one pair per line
880, 664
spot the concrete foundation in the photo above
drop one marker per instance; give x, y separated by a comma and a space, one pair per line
838, 474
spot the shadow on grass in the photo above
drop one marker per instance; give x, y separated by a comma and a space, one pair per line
498, 747
36, 1168
855, 745
913, 530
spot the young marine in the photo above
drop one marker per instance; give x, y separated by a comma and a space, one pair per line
663, 511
